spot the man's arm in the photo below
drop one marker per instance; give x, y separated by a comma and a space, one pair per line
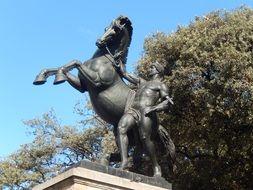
131, 78
164, 104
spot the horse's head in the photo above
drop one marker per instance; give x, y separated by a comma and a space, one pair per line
117, 36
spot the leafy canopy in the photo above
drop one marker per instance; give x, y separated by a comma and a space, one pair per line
209, 69
55, 147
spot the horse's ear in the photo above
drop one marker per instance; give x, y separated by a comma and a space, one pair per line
124, 20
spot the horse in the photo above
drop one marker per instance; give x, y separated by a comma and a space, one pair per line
97, 76
100, 76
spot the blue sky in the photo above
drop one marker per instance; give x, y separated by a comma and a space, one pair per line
49, 33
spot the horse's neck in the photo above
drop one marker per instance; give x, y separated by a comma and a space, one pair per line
104, 52
99, 53
112, 52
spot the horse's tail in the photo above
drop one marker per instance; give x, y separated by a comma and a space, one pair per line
169, 146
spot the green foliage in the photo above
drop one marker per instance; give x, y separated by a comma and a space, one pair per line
209, 69
55, 148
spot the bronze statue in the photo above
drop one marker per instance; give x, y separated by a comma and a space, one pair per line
150, 97
107, 91
101, 78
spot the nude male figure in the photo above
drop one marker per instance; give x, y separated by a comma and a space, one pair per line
151, 97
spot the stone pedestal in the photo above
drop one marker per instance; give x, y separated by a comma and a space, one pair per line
93, 176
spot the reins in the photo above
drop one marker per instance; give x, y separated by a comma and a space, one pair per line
116, 58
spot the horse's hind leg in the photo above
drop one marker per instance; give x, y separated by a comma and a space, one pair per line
41, 78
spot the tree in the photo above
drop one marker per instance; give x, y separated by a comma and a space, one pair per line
209, 69
55, 148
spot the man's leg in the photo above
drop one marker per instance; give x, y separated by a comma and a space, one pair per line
145, 129
126, 122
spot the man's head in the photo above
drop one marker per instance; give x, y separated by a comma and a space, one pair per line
156, 68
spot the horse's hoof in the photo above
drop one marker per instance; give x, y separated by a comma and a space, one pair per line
157, 171
60, 77
39, 82
59, 82
40, 79
125, 165
157, 175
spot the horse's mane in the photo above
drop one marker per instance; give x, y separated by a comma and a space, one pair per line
128, 25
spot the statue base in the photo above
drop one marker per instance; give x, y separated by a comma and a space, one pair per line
93, 176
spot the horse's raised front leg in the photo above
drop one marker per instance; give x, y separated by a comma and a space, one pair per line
63, 75
41, 78
91, 76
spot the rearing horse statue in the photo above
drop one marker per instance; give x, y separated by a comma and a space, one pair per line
99, 76
107, 91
